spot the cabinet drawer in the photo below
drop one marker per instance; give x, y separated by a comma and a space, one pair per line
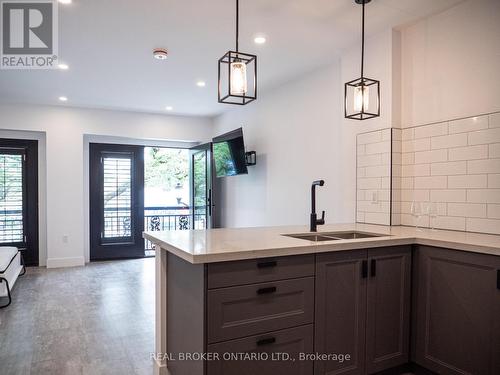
259, 270
291, 341
253, 309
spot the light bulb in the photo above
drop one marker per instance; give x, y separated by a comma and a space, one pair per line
238, 78
361, 98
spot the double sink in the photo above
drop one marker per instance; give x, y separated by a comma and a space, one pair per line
332, 236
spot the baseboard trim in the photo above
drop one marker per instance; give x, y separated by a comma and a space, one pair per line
160, 368
65, 262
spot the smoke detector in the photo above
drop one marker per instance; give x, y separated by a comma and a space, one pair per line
160, 53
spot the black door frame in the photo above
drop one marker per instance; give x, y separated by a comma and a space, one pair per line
212, 188
30, 245
106, 250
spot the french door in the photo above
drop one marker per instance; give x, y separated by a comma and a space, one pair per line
203, 188
116, 201
19, 197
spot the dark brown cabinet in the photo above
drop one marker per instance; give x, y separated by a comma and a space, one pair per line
258, 308
388, 308
356, 303
268, 354
458, 312
340, 311
363, 309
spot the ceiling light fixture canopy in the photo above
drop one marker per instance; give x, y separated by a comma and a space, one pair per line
362, 95
237, 74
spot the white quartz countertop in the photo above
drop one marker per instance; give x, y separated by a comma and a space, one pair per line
227, 244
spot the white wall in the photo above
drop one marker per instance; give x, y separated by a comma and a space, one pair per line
65, 130
295, 131
450, 64
300, 134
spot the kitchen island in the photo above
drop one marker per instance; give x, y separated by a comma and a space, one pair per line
257, 290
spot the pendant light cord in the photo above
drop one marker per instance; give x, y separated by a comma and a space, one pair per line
237, 24
362, 41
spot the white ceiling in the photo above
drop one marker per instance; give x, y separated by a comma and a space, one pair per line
108, 46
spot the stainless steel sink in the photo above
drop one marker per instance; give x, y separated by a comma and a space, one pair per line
334, 236
353, 235
312, 237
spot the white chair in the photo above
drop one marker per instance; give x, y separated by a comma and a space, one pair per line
11, 267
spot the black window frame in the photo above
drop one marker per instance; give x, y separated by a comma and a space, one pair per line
30, 243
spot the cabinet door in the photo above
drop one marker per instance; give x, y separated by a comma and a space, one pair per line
341, 311
458, 312
388, 308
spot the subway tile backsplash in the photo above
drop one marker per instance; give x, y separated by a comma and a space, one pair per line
373, 177
455, 164
460, 171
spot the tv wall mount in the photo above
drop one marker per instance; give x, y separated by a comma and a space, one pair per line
251, 158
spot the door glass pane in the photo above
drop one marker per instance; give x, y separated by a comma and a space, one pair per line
11, 198
200, 189
117, 197
167, 203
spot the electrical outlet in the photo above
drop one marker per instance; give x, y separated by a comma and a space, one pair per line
65, 238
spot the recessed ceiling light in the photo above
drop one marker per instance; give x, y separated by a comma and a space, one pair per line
63, 99
169, 108
201, 84
259, 40
65, 1
63, 66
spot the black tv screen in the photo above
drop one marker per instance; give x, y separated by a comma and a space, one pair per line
229, 154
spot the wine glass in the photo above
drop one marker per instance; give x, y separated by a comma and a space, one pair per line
416, 212
431, 210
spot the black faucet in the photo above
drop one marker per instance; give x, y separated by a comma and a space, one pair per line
314, 219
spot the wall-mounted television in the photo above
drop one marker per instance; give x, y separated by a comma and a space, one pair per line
229, 154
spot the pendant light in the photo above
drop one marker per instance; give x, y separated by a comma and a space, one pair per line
362, 95
237, 74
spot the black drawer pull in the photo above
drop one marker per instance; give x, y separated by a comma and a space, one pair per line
269, 264
364, 269
498, 279
268, 290
270, 340
373, 268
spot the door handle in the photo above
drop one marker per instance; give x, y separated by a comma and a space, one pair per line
373, 268
209, 202
364, 269
498, 279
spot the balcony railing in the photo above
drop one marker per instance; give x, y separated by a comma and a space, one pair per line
155, 219
171, 218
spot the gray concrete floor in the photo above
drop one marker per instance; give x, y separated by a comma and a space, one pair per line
97, 319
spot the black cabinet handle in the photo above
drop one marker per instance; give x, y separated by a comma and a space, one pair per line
364, 269
268, 290
268, 264
270, 340
373, 268
498, 279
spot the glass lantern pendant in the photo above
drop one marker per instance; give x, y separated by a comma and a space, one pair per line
237, 74
362, 95
239, 84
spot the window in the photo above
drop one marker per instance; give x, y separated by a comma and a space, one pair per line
117, 197
11, 196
